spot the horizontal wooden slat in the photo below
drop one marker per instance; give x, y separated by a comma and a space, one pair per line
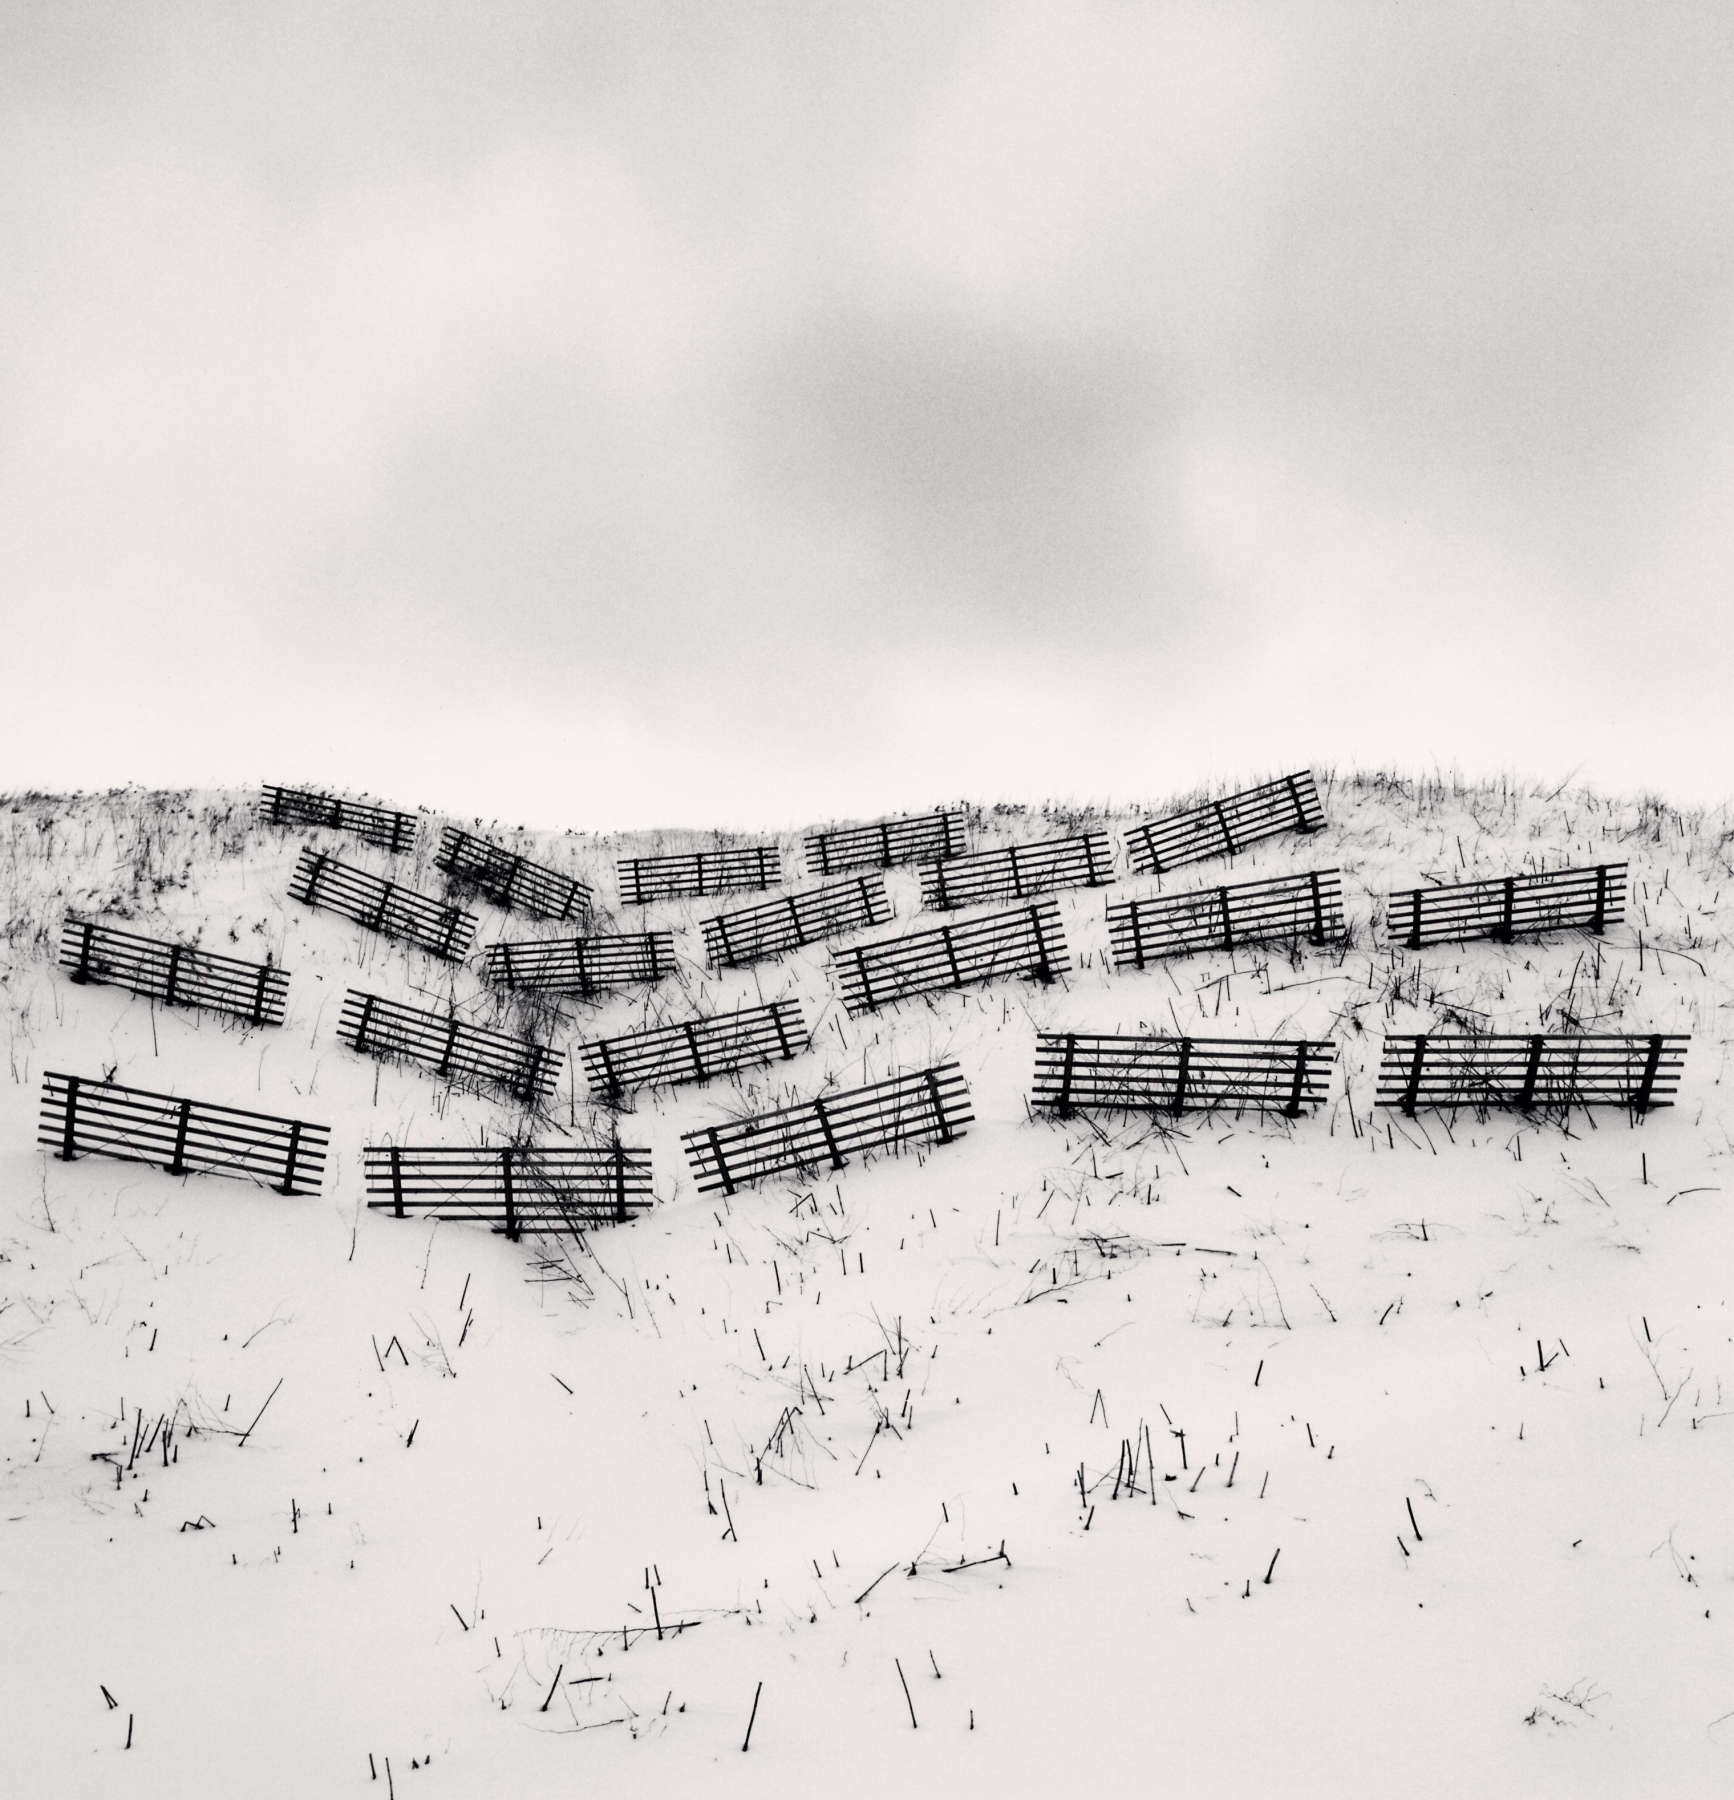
1502, 908
1024, 941
1286, 909
1175, 1074
1553, 1071
176, 974
375, 1026
322, 882
751, 934
1225, 827
582, 965
511, 880
1015, 871
694, 874
695, 1049
886, 843
382, 825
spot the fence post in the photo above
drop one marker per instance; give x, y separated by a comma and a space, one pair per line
1646, 1085
444, 1066
69, 1132
1531, 1074
1412, 1088
314, 872
1137, 922
276, 806
866, 980
449, 933
511, 1198
290, 1155
259, 993
781, 1029
82, 972
1017, 875
1415, 919
1598, 922
885, 844
951, 955
363, 1022
1064, 1108
1180, 1080
698, 1068
1293, 1109
1044, 970
824, 1118
616, 1093
621, 1211
1222, 820
1317, 936
940, 898
177, 1165
1507, 908
174, 973
722, 1167
1300, 811
1227, 928
379, 911
938, 1098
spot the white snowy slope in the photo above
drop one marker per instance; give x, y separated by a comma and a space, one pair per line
1441, 1411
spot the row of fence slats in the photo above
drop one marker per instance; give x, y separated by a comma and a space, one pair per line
694, 874
696, 1049
1556, 900
375, 1026
518, 1187
825, 1132
1025, 941
328, 885
176, 974
1547, 1070
1016, 871
886, 843
1225, 827
186, 1137
581, 965
509, 880
381, 825
1291, 907
753, 934
1143, 1074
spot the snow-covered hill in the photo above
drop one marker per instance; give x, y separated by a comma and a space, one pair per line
1337, 1456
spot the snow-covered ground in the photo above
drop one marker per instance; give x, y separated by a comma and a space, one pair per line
1441, 1412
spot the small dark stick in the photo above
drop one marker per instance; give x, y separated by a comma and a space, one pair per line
1411, 1506
911, 1704
261, 1412
129, 1731
552, 1685
750, 1716
1272, 1569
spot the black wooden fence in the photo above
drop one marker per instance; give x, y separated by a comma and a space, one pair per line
176, 974
694, 1049
695, 874
509, 880
1025, 941
323, 882
1547, 1071
886, 843
1179, 1074
444, 1043
515, 1188
1224, 827
754, 933
825, 1132
382, 825
1284, 910
1016, 871
82, 1116
581, 965
1501, 908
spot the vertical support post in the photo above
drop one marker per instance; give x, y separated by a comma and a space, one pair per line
830, 1137
81, 974
1317, 935
1508, 904
384, 906
175, 953
1298, 1087
178, 1163
1227, 928
866, 979
722, 1167
1598, 921
397, 1181
1227, 831
616, 1092
69, 1129
1136, 919
621, 1211
444, 1065
1531, 1075
261, 988
1180, 1078
1044, 969
1064, 1108
289, 1158
727, 959
363, 1022
276, 806
1414, 939
448, 933
699, 1072
951, 955
1412, 1088
314, 872
866, 893
510, 1196
1301, 822
782, 1029
884, 844
940, 898
937, 1096
1016, 872
1647, 1082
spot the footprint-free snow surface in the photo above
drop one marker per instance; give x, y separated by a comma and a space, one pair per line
1220, 1454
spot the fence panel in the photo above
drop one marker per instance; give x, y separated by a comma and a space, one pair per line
825, 1132
176, 974
1179, 1074
509, 880
80, 1116
381, 825
1015, 871
581, 965
886, 843
753, 934
1025, 941
697, 1049
1225, 827
322, 882
1284, 910
374, 1026
514, 1188
698, 873
1546, 1071
1558, 900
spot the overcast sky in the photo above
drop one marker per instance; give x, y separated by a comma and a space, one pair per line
652, 414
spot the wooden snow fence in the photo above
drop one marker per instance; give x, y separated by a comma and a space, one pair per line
696, 1049
1024, 941
740, 868
1225, 827
1536, 1071
753, 934
581, 965
510, 880
381, 825
1558, 900
1016, 871
324, 883
81, 1116
1179, 1074
374, 1026
514, 1188
825, 1132
176, 974
886, 843
1284, 910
